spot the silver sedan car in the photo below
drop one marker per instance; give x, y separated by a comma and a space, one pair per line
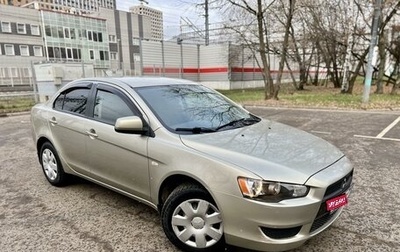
216, 173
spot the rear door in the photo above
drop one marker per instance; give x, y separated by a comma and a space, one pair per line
66, 120
117, 159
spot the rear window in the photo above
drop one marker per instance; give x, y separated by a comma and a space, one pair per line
74, 101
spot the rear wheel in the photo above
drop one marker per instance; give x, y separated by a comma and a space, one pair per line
52, 167
192, 221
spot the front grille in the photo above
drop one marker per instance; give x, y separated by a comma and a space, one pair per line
281, 233
338, 188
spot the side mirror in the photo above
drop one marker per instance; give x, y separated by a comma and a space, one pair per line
129, 124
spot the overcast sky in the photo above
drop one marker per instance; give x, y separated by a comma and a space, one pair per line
173, 10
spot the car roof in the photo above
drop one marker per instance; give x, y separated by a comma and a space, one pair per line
142, 81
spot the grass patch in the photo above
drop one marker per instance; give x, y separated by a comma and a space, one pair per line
312, 96
15, 104
317, 97
244, 95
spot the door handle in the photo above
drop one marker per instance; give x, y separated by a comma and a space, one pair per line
53, 120
92, 133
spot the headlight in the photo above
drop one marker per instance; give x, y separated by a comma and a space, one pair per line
270, 191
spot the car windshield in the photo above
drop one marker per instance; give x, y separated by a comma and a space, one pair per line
194, 109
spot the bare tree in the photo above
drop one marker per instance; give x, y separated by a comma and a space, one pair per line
390, 9
302, 46
316, 35
394, 50
251, 29
285, 43
328, 23
382, 59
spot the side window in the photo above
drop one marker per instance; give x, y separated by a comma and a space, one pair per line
74, 100
58, 103
109, 107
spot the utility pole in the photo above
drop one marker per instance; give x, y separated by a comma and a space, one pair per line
368, 77
207, 40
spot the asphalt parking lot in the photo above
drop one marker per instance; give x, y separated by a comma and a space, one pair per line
34, 216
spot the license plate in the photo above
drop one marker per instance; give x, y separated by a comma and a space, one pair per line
336, 202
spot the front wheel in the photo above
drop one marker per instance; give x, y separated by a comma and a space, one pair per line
52, 167
191, 220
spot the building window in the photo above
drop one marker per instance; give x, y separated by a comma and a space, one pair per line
47, 30
2, 73
112, 39
113, 55
14, 72
6, 27
95, 36
60, 32
136, 57
89, 35
72, 33
35, 30
24, 50
5, 72
66, 32
9, 49
76, 53
38, 51
69, 53
1, 51
26, 72
63, 53
21, 28
135, 41
54, 52
91, 54
104, 55
82, 33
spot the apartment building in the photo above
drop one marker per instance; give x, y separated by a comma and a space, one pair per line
81, 6
156, 17
124, 30
75, 38
106, 39
21, 43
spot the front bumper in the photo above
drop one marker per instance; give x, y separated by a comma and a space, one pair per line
288, 224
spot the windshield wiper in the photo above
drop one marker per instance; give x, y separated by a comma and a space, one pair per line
245, 121
196, 130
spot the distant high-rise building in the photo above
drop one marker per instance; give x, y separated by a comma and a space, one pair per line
156, 17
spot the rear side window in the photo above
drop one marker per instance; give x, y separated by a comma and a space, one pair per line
74, 101
109, 107
58, 104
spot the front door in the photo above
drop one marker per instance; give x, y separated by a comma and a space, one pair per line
117, 159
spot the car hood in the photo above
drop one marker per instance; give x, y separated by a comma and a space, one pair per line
268, 149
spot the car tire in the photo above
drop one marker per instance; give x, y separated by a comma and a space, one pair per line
191, 220
51, 165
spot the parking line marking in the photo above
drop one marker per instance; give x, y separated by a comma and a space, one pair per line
380, 135
321, 132
380, 138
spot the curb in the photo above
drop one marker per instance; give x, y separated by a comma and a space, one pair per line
14, 114
338, 109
